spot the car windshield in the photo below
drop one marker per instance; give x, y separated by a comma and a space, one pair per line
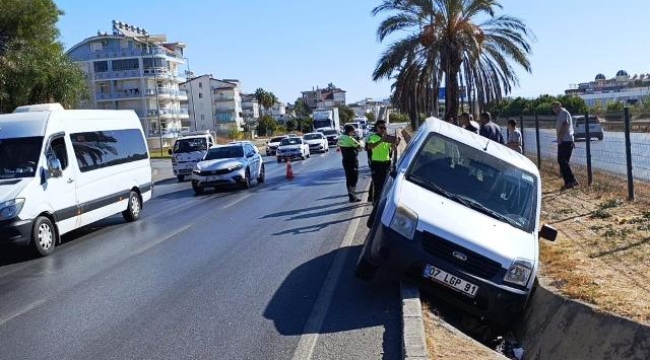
477, 180
277, 139
329, 132
226, 152
291, 141
313, 136
19, 157
190, 145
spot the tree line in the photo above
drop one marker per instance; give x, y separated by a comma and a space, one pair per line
33, 65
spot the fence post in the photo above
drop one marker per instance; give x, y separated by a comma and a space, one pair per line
521, 126
539, 147
628, 155
588, 149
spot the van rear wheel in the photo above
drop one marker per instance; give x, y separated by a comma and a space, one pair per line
43, 236
133, 210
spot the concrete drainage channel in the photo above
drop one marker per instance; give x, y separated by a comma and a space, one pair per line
553, 328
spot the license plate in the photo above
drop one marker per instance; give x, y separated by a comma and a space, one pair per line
450, 281
212, 178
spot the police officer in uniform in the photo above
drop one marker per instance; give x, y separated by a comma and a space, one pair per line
381, 149
350, 150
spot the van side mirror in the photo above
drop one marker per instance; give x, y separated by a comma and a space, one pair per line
54, 168
169, 151
548, 233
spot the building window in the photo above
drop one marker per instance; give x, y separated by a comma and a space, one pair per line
200, 95
95, 46
200, 85
126, 64
100, 66
202, 117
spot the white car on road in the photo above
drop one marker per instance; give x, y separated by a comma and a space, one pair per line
273, 144
316, 141
233, 164
292, 147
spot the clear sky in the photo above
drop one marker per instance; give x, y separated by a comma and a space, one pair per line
287, 46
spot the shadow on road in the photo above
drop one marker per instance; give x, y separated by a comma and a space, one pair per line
299, 211
316, 227
329, 212
16, 254
355, 304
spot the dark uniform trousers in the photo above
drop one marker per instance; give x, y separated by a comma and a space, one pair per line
380, 170
351, 168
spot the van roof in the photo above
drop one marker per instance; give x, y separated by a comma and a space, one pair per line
477, 141
39, 108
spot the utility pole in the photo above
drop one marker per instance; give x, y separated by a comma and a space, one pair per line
190, 75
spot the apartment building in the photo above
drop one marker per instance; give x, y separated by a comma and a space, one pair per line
132, 69
217, 105
324, 99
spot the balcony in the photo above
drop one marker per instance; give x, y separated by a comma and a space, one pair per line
120, 94
225, 116
153, 51
120, 74
224, 99
168, 113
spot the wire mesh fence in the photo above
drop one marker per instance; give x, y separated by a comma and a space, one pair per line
616, 144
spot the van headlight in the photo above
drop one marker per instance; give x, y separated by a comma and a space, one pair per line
404, 222
10, 209
519, 272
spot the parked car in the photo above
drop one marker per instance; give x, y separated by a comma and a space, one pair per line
317, 142
460, 215
291, 148
273, 144
332, 135
232, 164
64, 169
188, 150
595, 128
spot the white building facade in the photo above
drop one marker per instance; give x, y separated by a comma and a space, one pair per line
131, 69
621, 88
215, 104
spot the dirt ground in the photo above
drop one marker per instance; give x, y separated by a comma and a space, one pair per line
602, 254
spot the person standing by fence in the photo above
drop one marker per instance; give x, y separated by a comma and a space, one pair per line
489, 129
514, 136
565, 144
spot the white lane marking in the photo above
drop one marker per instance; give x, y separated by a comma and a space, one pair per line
19, 312
307, 342
236, 201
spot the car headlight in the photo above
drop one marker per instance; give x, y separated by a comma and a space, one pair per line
404, 222
10, 209
519, 272
197, 171
235, 167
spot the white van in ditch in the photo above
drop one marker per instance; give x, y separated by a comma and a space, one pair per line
64, 169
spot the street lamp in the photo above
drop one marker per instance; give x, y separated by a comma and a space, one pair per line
189, 74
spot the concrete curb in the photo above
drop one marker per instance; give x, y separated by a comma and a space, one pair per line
414, 341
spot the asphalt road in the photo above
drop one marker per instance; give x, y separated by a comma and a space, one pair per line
265, 273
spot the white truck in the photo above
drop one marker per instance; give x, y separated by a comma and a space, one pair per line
327, 119
188, 150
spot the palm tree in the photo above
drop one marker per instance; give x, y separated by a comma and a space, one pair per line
447, 42
269, 101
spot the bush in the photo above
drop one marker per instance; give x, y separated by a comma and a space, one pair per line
235, 134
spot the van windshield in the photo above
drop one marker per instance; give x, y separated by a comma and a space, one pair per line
19, 157
190, 145
330, 132
477, 180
